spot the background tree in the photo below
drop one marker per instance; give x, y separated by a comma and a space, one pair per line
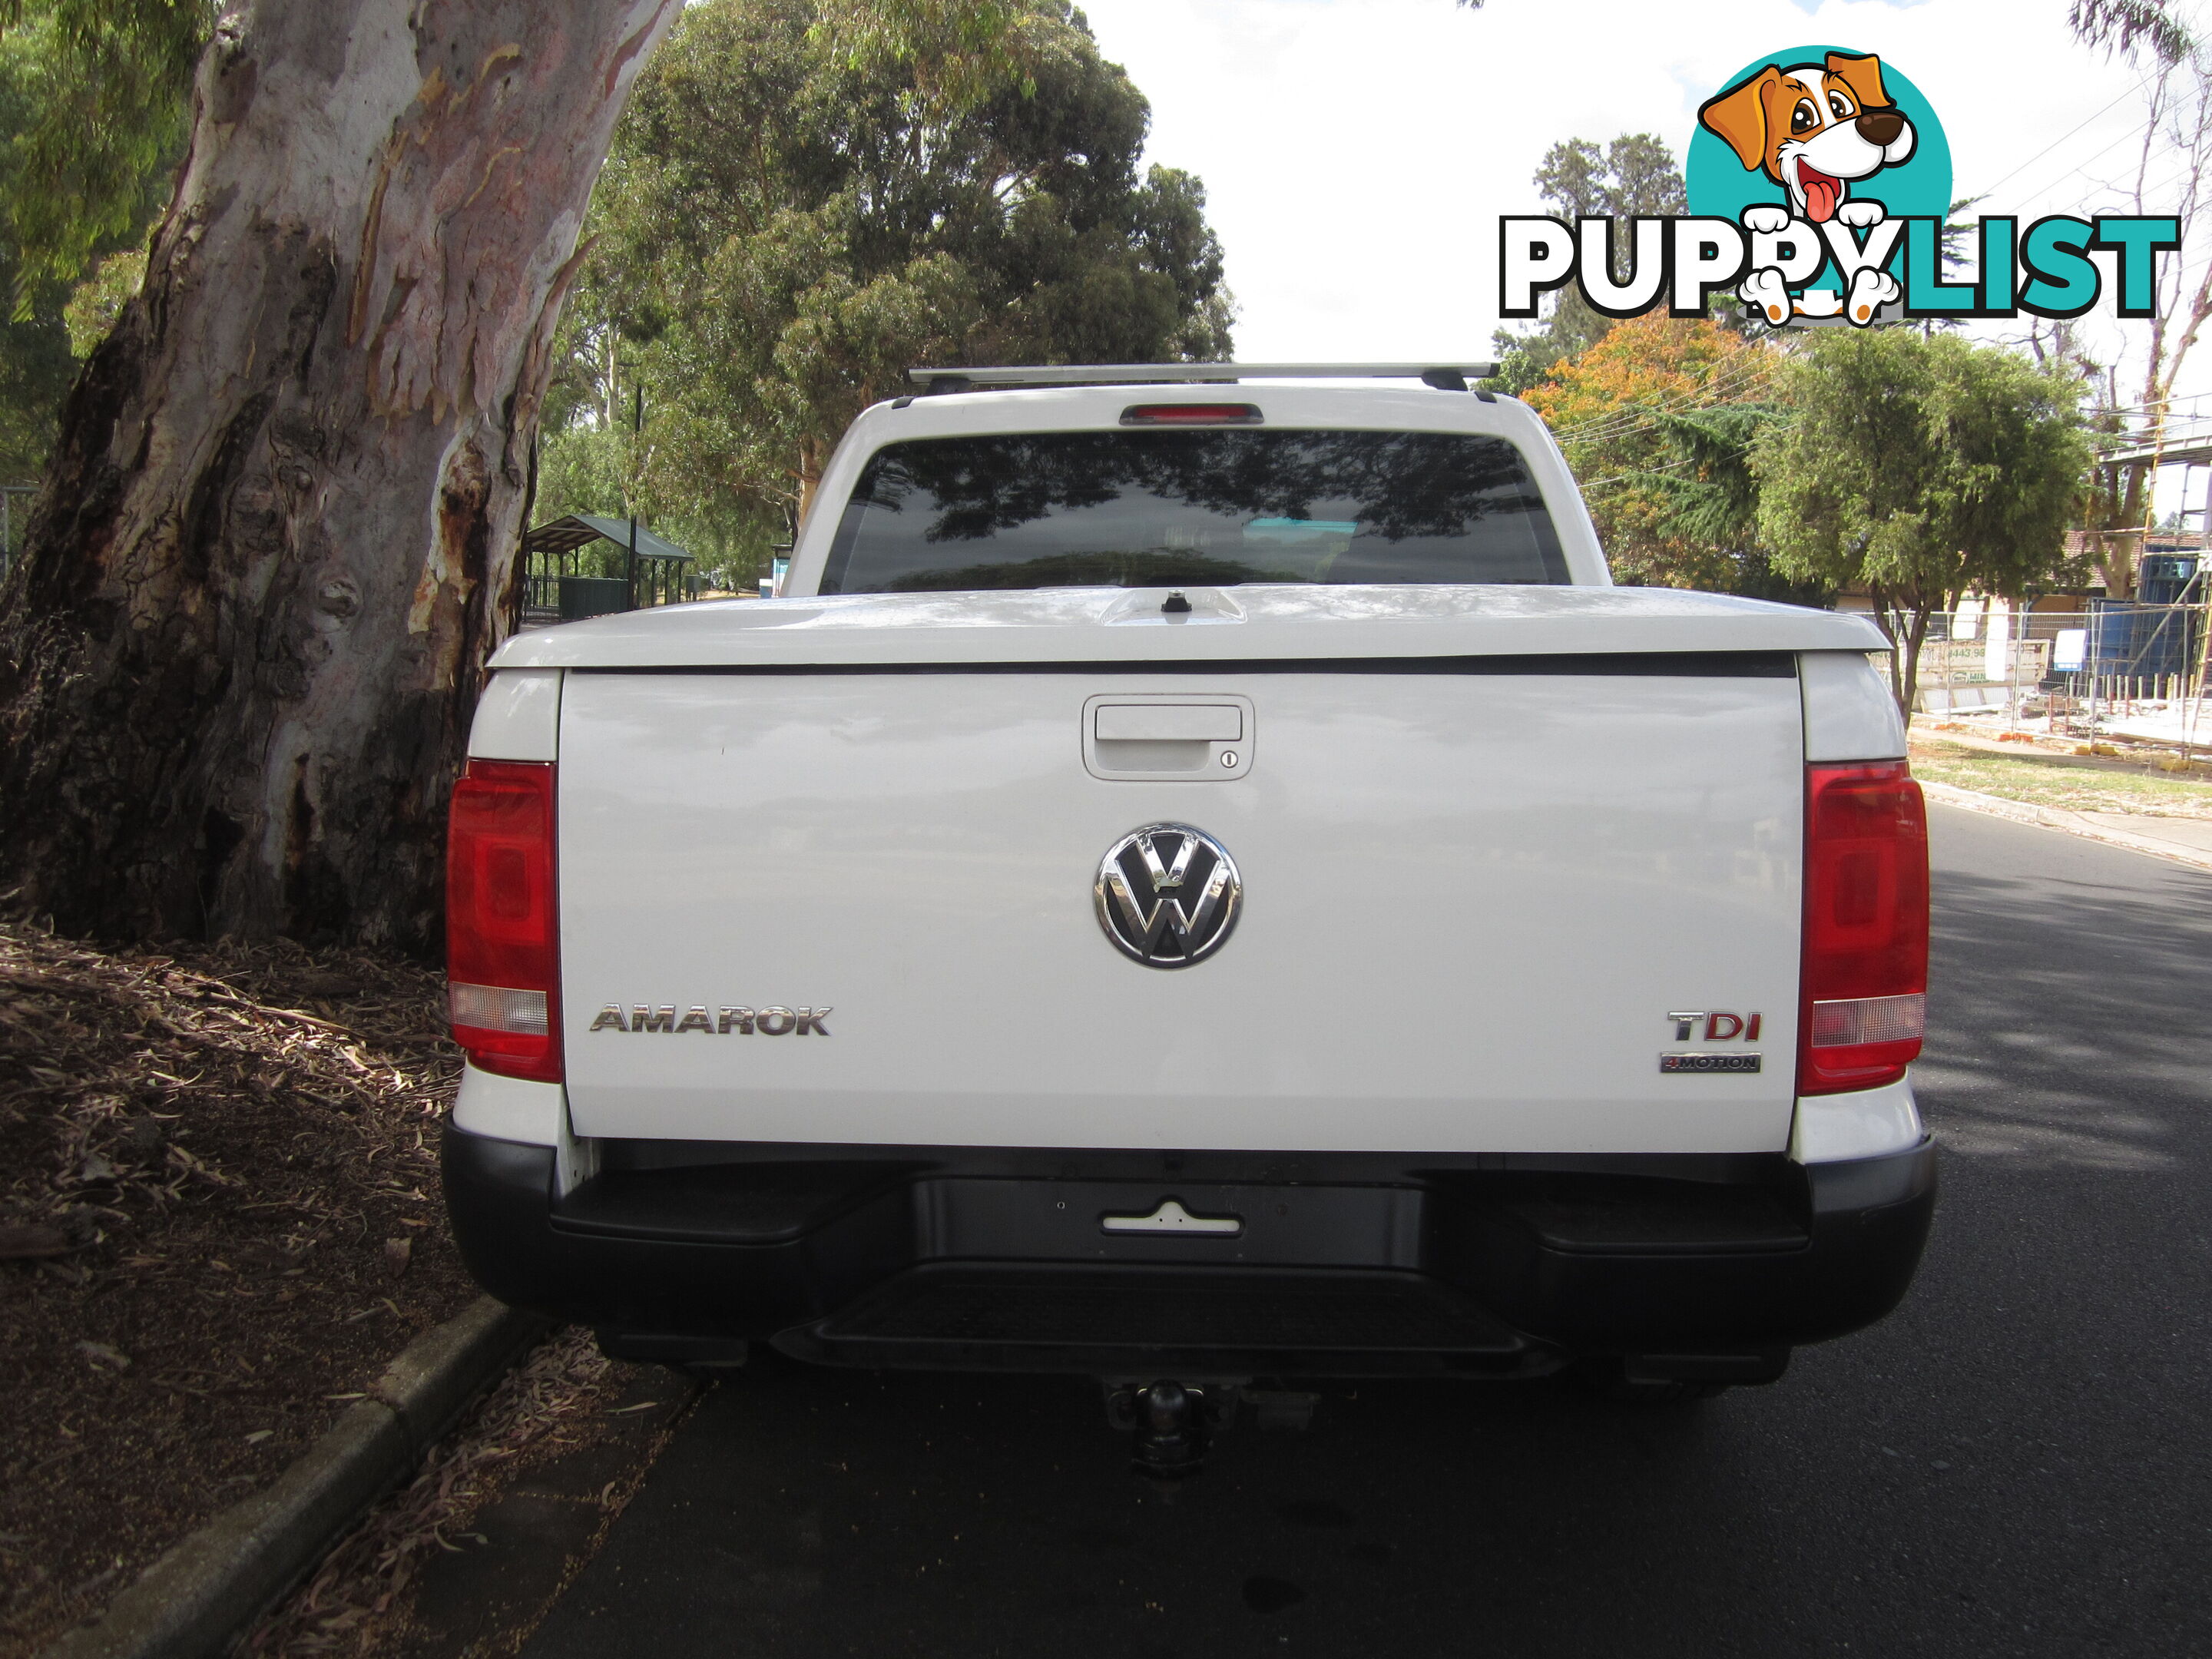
1656, 420
273, 539
35, 364
2176, 123
1635, 174
1708, 496
786, 227
2132, 26
1920, 467
109, 79
92, 125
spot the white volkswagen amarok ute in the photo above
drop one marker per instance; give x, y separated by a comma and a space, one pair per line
1201, 877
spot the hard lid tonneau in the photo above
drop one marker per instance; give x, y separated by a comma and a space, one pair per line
1239, 625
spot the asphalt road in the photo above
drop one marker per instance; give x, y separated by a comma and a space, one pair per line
2014, 1463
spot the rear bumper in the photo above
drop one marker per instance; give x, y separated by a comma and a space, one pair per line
1365, 1266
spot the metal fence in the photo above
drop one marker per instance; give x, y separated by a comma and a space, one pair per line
2079, 670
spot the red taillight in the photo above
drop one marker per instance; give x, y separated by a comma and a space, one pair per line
1865, 979
1192, 415
503, 940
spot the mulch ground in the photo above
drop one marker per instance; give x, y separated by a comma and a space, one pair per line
219, 1220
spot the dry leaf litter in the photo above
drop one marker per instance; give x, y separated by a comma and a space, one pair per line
359, 1601
219, 1221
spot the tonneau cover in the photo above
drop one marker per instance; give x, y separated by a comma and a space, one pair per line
1301, 622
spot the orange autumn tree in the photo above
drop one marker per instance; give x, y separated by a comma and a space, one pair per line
1656, 420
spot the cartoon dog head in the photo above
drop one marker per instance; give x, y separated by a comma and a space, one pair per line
1813, 128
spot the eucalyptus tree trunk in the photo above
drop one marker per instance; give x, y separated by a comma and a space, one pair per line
813, 455
1905, 617
276, 540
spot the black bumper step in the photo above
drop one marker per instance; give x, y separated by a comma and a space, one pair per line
1092, 1320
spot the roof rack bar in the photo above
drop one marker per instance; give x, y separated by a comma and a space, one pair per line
961, 379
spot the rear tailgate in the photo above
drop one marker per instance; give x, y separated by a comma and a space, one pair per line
1472, 900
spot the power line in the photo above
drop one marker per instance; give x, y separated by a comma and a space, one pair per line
2165, 146
1648, 471
2082, 166
1640, 472
2194, 165
2180, 429
2135, 409
1636, 429
1711, 394
1733, 376
1993, 189
2147, 412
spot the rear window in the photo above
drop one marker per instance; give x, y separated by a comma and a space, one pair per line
1206, 508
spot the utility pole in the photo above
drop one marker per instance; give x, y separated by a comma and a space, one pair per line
637, 430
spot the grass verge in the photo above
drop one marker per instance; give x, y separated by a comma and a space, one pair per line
2071, 789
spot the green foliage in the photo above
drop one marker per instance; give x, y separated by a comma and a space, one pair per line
92, 101
1635, 174
587, 468
1706, 479
788, 224
98, 299
1656, 420
35, 370
1708, 498
2124, 26
954, 51
584, 469
107, 85
35, 365
1920, 466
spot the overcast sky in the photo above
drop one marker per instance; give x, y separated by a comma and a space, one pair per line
1357, 153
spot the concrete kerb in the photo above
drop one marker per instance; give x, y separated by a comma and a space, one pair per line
2071, 823
201, 1595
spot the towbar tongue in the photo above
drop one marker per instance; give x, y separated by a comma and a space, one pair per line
1171, 1436
1172, 1424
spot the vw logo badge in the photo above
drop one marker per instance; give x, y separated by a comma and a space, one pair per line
1168, 895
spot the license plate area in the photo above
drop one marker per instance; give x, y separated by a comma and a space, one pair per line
988, 1220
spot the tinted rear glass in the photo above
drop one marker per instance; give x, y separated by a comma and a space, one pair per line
1213, 507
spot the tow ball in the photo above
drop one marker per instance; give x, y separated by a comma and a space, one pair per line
1172, 1425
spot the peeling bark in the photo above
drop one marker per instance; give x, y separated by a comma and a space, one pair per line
276, 540
812, 456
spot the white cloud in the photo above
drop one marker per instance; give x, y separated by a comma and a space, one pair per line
1358, 155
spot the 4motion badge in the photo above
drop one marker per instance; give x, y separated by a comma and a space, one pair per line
1709, 1062
1167, 895
1716, 1027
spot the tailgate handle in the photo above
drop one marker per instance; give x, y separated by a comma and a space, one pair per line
1172, 1217
1168, 723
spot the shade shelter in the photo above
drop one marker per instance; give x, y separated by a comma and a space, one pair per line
556, 590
